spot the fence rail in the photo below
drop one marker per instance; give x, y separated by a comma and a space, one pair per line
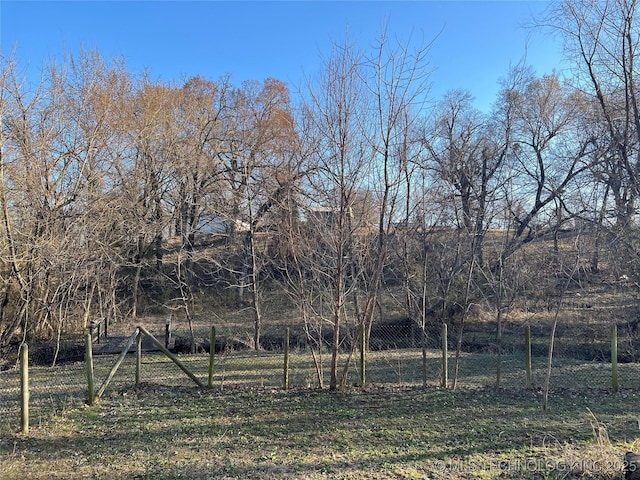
54, 389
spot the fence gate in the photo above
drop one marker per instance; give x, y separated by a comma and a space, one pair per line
136, 337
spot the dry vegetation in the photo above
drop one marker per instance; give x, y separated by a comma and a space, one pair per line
168, 433
354, 208
248, 427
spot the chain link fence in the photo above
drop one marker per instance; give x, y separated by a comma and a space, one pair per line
393, 360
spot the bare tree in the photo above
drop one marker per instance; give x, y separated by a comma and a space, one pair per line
143, 179
341, 165
204, 131
601, 38
397, 79
361, 116
10, 268
61, 143
257, 176
548, 160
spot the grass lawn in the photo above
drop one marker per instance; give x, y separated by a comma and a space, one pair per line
161, 432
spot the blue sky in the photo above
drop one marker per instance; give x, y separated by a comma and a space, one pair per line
476, 40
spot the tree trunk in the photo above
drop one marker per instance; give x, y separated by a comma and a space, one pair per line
338, 304
255, 288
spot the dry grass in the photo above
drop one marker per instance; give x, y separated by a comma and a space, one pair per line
161, 433
248, 427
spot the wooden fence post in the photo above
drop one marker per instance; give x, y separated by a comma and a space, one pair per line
363, 356
527, 354
138, 359
614, 357
445, 357
167, 333
92, 327
24, 388
88, 358
286, 358
212, 352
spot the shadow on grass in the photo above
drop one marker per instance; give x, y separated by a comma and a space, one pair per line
160, 432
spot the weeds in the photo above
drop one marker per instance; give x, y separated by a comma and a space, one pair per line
600, 434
